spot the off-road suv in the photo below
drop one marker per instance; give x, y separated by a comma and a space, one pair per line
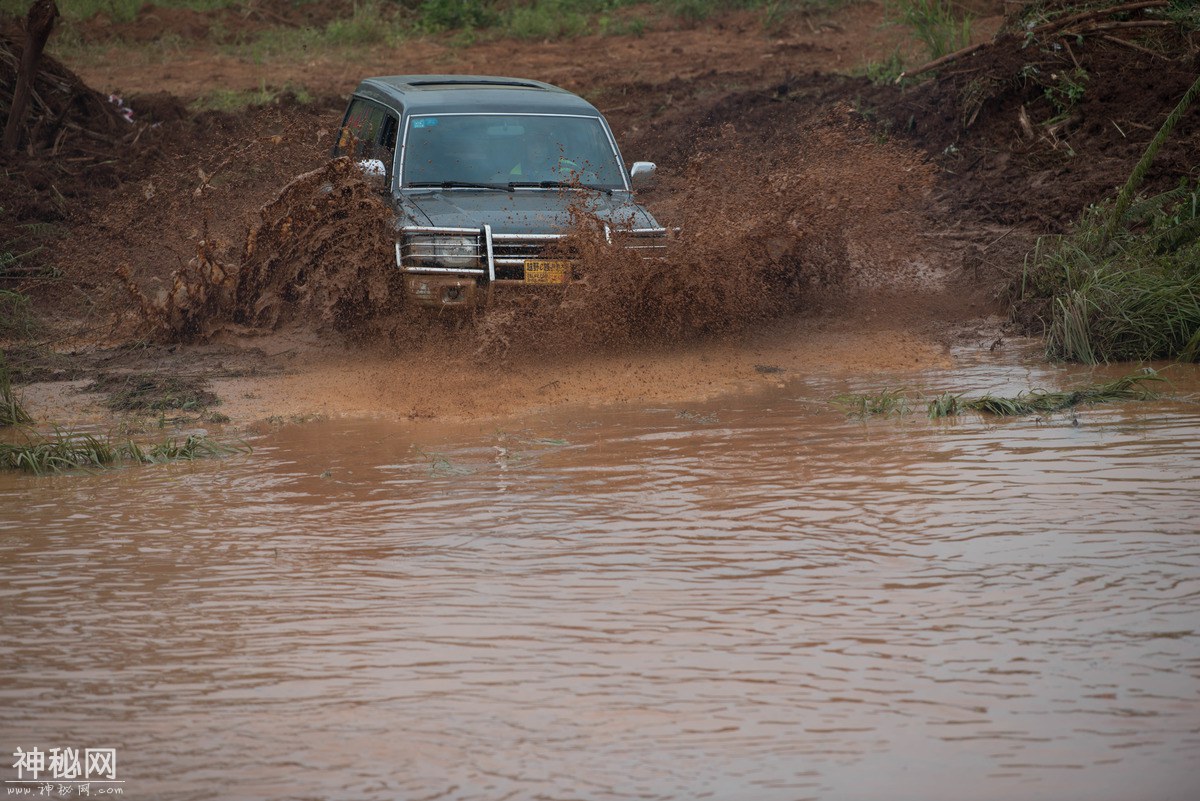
482, 172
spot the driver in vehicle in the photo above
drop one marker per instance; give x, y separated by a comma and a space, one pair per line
541, 161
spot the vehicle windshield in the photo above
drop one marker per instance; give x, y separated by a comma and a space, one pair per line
502, 149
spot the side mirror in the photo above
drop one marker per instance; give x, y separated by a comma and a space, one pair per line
641, 174
373, 168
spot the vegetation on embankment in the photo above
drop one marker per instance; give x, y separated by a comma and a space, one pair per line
1124, 283
11, 411
39, 453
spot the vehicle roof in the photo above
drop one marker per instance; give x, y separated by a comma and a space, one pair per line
421, 94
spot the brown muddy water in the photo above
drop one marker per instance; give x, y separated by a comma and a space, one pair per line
751, 598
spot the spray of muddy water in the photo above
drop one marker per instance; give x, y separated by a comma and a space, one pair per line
830, 208
315, 257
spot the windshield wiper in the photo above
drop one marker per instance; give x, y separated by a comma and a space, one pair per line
461, 185
559, 185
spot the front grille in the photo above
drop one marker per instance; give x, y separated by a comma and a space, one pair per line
508, 251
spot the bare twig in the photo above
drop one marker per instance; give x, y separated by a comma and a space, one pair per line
939, 62
1071, 53
1120, 26
1132, 46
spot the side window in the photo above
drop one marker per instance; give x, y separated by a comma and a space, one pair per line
352, 128
368, 132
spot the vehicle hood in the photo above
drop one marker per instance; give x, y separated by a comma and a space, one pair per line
519, 212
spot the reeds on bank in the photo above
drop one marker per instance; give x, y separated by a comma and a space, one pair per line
898, 402
1133, 297
1040, 401
11, 411
67, 450
1124, 284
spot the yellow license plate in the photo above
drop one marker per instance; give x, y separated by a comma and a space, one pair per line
547, 271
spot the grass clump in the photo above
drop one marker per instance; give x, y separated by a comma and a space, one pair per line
150, 392
558, 19
1125, 283
935, 23
880, 404
11, 411
235, 100
1038, 401
369, 24
885, 72
16, 319
66, 450
1185, 13
546, 19
453, 15
1134, 295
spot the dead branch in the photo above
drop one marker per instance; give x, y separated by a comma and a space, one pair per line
1120, 26
38, 24
1131, 45
1098, 13
941, 62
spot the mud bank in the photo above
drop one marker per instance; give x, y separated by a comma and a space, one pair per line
288, 378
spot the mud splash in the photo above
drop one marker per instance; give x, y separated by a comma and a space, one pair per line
833, 209
316, 257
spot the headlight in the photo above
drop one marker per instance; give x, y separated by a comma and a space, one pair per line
443, 251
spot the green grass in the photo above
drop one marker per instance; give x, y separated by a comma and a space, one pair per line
368, 23
898, 402
1132, 296
66, 450
116, 10
1124, 283
1038, 401
152, 392
233, 100
11, 411
547, 19
886, 71
1184, 12
16, 319
935, 23
880, 404
1065, 92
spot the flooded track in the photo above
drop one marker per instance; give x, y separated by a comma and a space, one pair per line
753, 598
